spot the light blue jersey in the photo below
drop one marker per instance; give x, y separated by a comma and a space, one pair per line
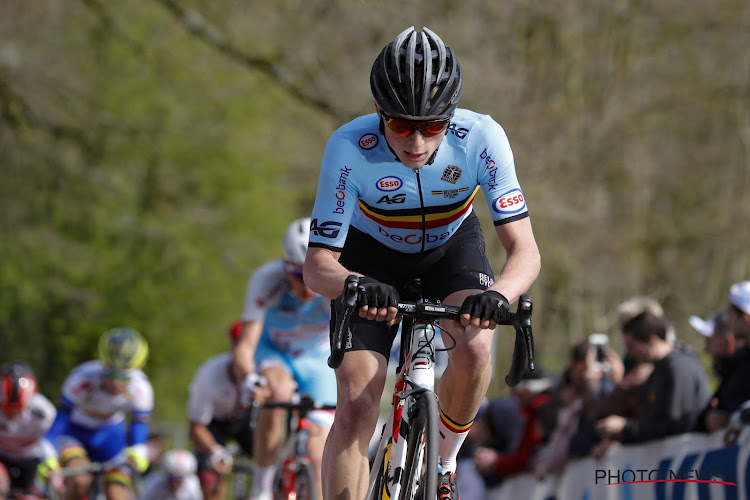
295, 333
413, 210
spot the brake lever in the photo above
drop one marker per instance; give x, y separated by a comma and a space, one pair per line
347, 307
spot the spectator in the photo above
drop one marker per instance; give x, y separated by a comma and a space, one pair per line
552, 456
676, 390
498, 425
532, 394
729, 347
626, 398
720, 342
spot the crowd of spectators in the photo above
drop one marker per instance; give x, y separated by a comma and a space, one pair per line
657, 388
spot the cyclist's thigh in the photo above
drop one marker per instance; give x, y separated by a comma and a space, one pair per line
360, 381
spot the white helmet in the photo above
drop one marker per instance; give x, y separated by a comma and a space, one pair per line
295, 241
179, 463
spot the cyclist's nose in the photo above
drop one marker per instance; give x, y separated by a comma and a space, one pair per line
416, 137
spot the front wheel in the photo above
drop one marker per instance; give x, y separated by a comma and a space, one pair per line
419, 480
295, 481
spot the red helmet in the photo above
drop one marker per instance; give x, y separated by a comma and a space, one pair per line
235, 331
17, 385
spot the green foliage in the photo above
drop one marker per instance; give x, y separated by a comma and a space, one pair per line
152, 158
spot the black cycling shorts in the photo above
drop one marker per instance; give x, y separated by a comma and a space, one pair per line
458, 264
223, 431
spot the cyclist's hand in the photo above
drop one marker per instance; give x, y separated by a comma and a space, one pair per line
252, 389
137, 459
221, 460
484, 310
48, 474
377, 300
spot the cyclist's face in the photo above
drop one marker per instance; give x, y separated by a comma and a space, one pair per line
116, 382
297, 284
415, 149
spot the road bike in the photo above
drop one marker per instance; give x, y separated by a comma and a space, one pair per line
295, 475
406, 462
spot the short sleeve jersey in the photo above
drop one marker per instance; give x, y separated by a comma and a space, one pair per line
291, 326
213, 393
362, 184
22, 436
94, 407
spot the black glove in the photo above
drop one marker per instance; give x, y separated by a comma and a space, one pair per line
373, 293
489, 305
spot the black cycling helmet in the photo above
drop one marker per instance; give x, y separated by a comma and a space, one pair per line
417, 75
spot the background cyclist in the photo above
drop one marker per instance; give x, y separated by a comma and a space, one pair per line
218, 408
394, 202
175, 480
25, 417
286, 338
91, 417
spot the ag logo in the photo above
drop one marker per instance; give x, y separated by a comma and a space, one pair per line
397, 198
390, 183
511, 202
368, 141
326, 229
451, 174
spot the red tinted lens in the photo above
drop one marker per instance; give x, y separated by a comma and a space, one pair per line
404, 128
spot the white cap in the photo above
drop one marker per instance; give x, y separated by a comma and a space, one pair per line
739, 295
703, 326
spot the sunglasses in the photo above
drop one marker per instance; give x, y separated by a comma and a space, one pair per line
117, 375
405, 128
295, 271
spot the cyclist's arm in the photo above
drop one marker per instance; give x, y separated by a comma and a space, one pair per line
523, 261
202, 437
244, 348
323, 273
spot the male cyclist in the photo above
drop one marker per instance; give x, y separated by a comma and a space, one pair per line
175, 481
285, 338
394, 202
90, 423
25, 417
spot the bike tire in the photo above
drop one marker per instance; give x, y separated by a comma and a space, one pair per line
419, 478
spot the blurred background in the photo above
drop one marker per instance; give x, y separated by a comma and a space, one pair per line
152, 153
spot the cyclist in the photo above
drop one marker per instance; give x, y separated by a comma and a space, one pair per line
25, 417
394, 202
91, 418
285, 338
177, 479
219, 410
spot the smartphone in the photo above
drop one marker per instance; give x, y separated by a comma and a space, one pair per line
600, 342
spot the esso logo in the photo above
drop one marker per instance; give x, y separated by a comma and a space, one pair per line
368, 141
390, 183
511, 202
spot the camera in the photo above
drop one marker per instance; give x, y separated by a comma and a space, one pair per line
600, 342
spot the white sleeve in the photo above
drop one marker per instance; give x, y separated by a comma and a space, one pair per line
200, 407
264, 289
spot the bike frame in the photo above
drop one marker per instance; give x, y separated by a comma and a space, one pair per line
416, 379
295, 457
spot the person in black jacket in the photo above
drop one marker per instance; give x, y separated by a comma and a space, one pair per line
676, 391
732, 364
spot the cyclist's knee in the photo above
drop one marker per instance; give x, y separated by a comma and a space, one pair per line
472, 356
357, 415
